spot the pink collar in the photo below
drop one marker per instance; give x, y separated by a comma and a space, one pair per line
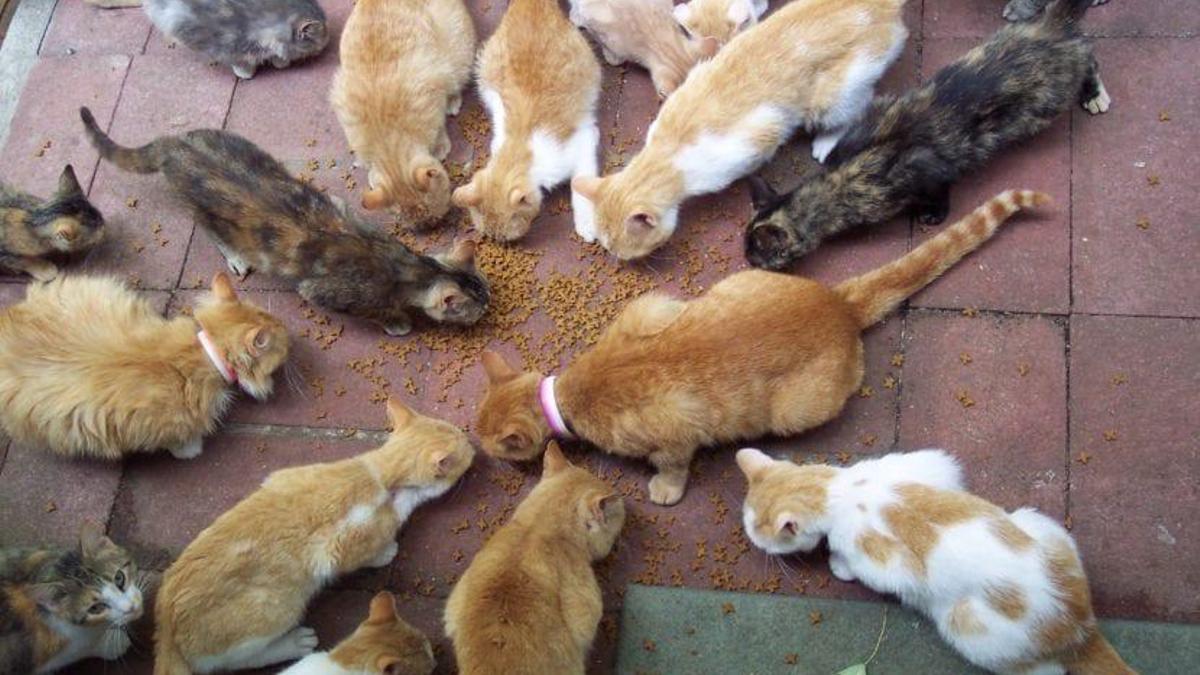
219, 361
554, 417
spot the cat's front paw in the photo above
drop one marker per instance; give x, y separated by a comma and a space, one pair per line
244, 72
398, 328
1021, 10
453, 104
840, 568
666, 491
189, 450
1100, 103
297, 643
43, 272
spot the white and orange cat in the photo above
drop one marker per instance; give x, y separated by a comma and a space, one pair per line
529, 603
1007, 590
234, 598
383, 644
88, 368
718, 20
540, 82
403, 66
645, 32
813, 64
759, 353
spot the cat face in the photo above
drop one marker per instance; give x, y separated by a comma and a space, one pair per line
254, 342
781, 232
785, 503
501, 207
69, 221
385, 644
461, 295
599, 512
420, 192
434, 452
510, 423
309, 35
630, 223
718, 20
96, 586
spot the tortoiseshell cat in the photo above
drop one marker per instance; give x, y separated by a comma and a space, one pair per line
60, 606
1023, 10
906, 151
263, 218
33, 229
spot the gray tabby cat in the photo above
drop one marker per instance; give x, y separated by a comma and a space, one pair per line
58, 606
244, 34
1024, 10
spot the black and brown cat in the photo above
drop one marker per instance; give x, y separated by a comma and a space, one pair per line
34, 233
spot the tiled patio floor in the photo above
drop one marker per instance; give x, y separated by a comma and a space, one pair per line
1075, 332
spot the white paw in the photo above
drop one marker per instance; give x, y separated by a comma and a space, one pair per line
823, 145
297, 643
386, 556
585, 217
239, 267
244, 72
841, 570
1099, 104
454, 104
189, 450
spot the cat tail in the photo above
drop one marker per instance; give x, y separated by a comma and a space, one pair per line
1097, 657
145, 159
875, 294
1063, 13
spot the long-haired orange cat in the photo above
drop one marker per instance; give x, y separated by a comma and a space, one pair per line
529, 604
759, 353
403, 66
89, 369
234, 598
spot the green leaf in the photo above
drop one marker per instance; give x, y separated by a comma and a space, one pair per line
856, 669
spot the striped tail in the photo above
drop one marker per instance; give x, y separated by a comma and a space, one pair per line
145, 159
875, 294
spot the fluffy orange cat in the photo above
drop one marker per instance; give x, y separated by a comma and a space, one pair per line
89, 369
384, 644
540, 82
529, 604
403, 66
235, 596
759, 353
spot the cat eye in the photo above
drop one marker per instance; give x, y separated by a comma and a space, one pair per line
119, 580
98, 608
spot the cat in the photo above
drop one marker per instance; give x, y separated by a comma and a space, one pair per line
718, 20
732, 113
1006, 590
643, 31
243, 34
670, 376
263, 560
59, 606
384, 644
89, 368
261, 217
32, 229
403, 66
1023, 10
540, 83
908, 150
529, 603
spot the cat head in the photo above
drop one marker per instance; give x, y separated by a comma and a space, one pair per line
779, 234
418, 190
428, 451
385, 644
785, 507
95, 586
68, 221
309, 35
718, 20
459, 292
502, 204
254, 343
592, 506
510, 423
631, 220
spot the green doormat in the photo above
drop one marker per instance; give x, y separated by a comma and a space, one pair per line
678, 631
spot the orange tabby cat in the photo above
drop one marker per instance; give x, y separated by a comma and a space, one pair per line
384, 644
529, 604
403, 67
234, 598
759, 353
88, 368
540, 82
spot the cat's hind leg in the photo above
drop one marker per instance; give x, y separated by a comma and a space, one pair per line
189, 450
386, 556
294, 644
668, 485
1093, 96
824, 142
840, 568
584, 145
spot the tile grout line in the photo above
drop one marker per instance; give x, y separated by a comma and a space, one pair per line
1070, 312
113, 117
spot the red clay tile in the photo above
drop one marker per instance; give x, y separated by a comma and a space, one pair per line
1133, 420
46, 132
1119, 267
1160, 18
80, 28
1007, 428
947, 18
45, 498
1025, 267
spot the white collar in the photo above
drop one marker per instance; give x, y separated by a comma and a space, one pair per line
550, 410
218, 361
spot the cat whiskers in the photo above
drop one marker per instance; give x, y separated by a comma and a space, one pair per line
294, 379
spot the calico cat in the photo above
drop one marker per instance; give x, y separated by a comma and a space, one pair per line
61, 606
643, 31
263, 218
1006, 590
1023, 10
670, 376
263, 560
384, 644
403, 67
718, 20
732, 113
89, 369
529, 603
907, 151
243, 34
540, 82
32, 229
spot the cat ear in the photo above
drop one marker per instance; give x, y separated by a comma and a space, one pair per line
388, 665
257, 340
311, 29
442, 464
513, 440
554, 460
68, 185
461, 254
222, 288
601, 505
92, 539
786, 525
399, 414
519, 197
497, 368
587, 186
640, 223
467, 195
682, 13
374, 199
423, 176
739, 13
383, 608
762, 194
751, 461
